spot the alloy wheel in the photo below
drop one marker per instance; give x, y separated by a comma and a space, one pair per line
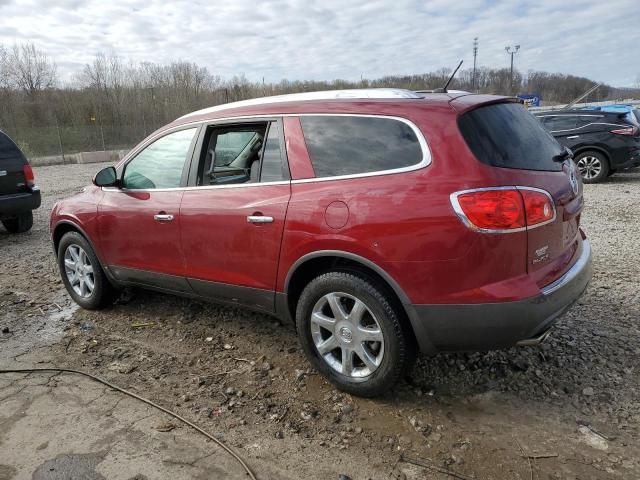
79, 270
347, 335
590, 167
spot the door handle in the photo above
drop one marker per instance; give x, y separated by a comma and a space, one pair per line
259, 219
163, 217
572, 137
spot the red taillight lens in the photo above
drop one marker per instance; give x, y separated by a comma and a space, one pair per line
538, 207
503, 209
493, 209
28, 175
629, 131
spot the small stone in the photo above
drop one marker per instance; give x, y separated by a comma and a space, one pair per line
230, 391
228, 346
346, 408
6, 330
588, 391
186, 397
208, 339
279, 435
266, 366
358, 430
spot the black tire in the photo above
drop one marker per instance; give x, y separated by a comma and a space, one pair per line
103, 292
399, 345
585, 158
611, 172
20, 224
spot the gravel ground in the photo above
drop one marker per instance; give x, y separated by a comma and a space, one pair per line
567, 409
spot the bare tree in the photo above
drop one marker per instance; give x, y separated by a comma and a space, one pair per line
29, 69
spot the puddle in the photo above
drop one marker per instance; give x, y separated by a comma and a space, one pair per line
29, 333
65, 467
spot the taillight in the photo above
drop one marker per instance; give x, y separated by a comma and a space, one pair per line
29, 179
538, 207
504, 209
629, 131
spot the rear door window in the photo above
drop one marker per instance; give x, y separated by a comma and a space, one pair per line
507, 135
561, 122
349, 145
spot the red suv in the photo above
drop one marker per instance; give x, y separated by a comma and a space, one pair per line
381, 222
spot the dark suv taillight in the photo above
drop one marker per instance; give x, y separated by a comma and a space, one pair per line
29, 179
629, 131
504, 209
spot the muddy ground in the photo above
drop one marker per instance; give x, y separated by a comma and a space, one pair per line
568, 409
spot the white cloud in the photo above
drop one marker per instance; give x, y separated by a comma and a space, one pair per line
336, 39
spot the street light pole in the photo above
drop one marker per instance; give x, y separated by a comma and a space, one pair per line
512, 53
475, 54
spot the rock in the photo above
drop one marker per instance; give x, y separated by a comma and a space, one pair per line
230, 391
208, 339
165, 427
592, 439
6, 330
346, 408
186, 397
279, 435
588, 391
265, 367
227, 346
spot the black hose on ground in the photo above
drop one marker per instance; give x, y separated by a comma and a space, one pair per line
142, 399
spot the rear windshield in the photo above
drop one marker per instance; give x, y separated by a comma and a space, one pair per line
507, 135
8, 149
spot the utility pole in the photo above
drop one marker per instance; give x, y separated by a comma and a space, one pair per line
475, 56
512, 53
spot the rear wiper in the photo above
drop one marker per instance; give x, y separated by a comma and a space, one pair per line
561, 157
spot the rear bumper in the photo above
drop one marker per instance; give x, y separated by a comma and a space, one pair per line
500, 325
628, 161
14, 204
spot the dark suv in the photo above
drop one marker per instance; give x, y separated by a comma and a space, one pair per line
602, 142
18, 192
379, 221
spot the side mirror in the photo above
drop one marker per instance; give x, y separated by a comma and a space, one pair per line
107, 177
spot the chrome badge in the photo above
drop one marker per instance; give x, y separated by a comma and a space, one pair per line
573, 180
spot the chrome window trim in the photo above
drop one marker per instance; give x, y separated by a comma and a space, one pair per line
424, 147
621, 125
461, 215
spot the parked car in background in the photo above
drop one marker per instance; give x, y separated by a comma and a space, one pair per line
381, 222
603, 142
630, 113
19, 194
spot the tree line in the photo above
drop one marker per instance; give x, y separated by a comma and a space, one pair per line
117, 102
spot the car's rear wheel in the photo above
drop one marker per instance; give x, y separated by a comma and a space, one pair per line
20, 224
593, 166
82, 274
352, 333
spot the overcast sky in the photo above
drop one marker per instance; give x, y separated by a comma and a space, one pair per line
329, 39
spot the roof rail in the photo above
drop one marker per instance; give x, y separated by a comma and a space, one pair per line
363, 93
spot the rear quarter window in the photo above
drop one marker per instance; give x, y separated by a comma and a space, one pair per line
506, 135
349, 145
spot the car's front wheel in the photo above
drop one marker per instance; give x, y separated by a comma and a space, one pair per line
593, 166
20, 224
82, 274
353, 334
